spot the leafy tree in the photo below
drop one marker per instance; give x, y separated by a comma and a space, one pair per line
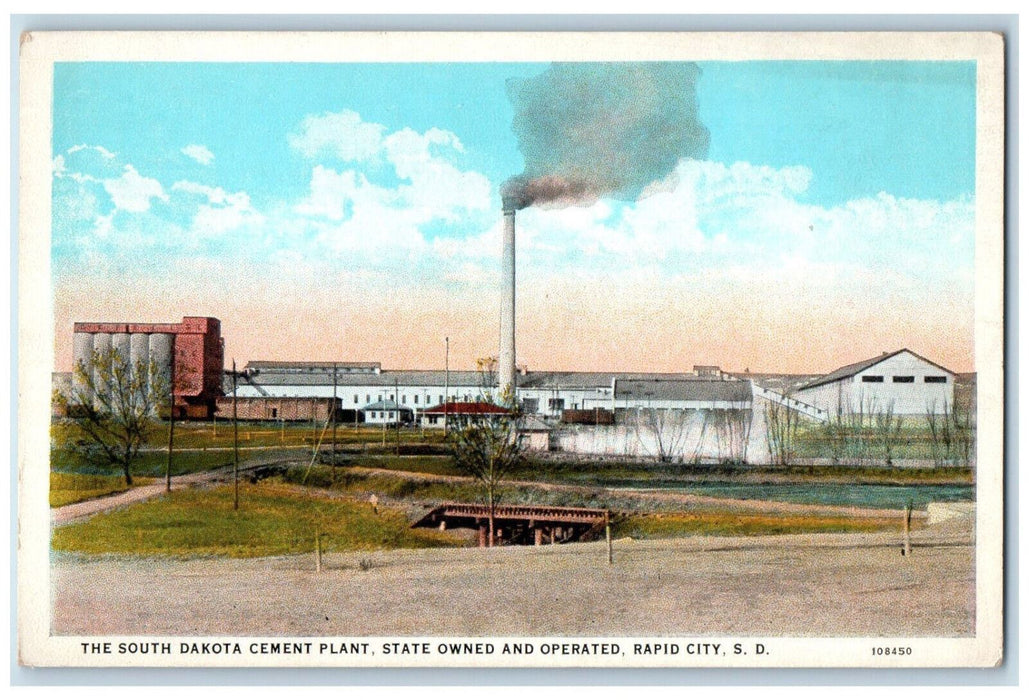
114, 405
487, 450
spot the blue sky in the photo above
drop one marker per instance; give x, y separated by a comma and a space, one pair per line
836, 201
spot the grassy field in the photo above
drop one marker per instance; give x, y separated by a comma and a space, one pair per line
68, 488
272, 520
665, 525
278, 518
609, 473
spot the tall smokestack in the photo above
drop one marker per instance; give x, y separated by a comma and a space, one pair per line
506, 369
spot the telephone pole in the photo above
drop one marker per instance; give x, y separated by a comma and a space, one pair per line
446, 385
235, 442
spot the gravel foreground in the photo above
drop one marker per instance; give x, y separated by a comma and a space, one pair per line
797, 585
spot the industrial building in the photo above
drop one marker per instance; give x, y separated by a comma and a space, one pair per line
900, 382
365, 387
188, 356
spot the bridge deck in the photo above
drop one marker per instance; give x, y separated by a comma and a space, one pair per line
519, 524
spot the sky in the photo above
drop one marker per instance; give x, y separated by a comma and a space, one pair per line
818, 214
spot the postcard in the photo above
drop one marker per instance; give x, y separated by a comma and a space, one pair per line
550, 350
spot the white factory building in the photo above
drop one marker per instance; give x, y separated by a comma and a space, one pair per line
901, 382
365, 387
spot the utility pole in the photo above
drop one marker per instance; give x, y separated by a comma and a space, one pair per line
235, 442
446, 385
171, 426
333, 418
396, 396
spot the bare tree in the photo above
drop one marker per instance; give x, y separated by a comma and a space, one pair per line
934, 422
781, 423
888, 427
964, 431
114, 406
732, 433
670, 429
836, 429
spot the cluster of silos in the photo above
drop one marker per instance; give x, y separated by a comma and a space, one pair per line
141, 350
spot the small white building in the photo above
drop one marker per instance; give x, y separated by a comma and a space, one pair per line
388, 412
902, 382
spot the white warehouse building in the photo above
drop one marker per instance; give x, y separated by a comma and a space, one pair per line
361, 387
901, 382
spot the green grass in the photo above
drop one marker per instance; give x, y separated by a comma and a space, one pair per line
272, 520
423, 464
588, 472
68, 488
668, 525
152, 464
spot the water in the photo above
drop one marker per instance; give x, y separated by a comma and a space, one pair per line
860, 495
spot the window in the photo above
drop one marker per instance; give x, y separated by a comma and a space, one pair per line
367, 398
530, 405
904, 380
556, 404
935, 380
871, 378
355, 398
275, 413
433, 420
416, 398
403, 399
380, 398
441, 398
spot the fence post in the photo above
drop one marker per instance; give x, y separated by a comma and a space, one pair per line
907, 529
607, 533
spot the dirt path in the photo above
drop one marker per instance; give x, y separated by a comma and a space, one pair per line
84, 510
801, 585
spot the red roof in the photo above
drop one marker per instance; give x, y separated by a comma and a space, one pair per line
468, 408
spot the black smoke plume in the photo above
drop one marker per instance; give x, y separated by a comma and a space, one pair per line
591, 130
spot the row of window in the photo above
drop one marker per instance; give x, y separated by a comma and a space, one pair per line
403, 398
903, 379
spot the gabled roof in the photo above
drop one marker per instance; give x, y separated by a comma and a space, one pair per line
385, 406
467, 408
852, 369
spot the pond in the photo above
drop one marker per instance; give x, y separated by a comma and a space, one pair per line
860, 495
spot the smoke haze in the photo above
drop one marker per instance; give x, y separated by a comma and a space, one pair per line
594, 130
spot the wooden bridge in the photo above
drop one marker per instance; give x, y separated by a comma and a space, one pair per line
520, 524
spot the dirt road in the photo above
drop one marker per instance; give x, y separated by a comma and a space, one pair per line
820, 585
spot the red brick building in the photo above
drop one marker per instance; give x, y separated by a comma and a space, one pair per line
192, 348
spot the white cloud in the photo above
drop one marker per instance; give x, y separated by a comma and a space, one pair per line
133, 192
99, 149
341, 134
331, 193
200, 153
352, 211
436, 186
222, 211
